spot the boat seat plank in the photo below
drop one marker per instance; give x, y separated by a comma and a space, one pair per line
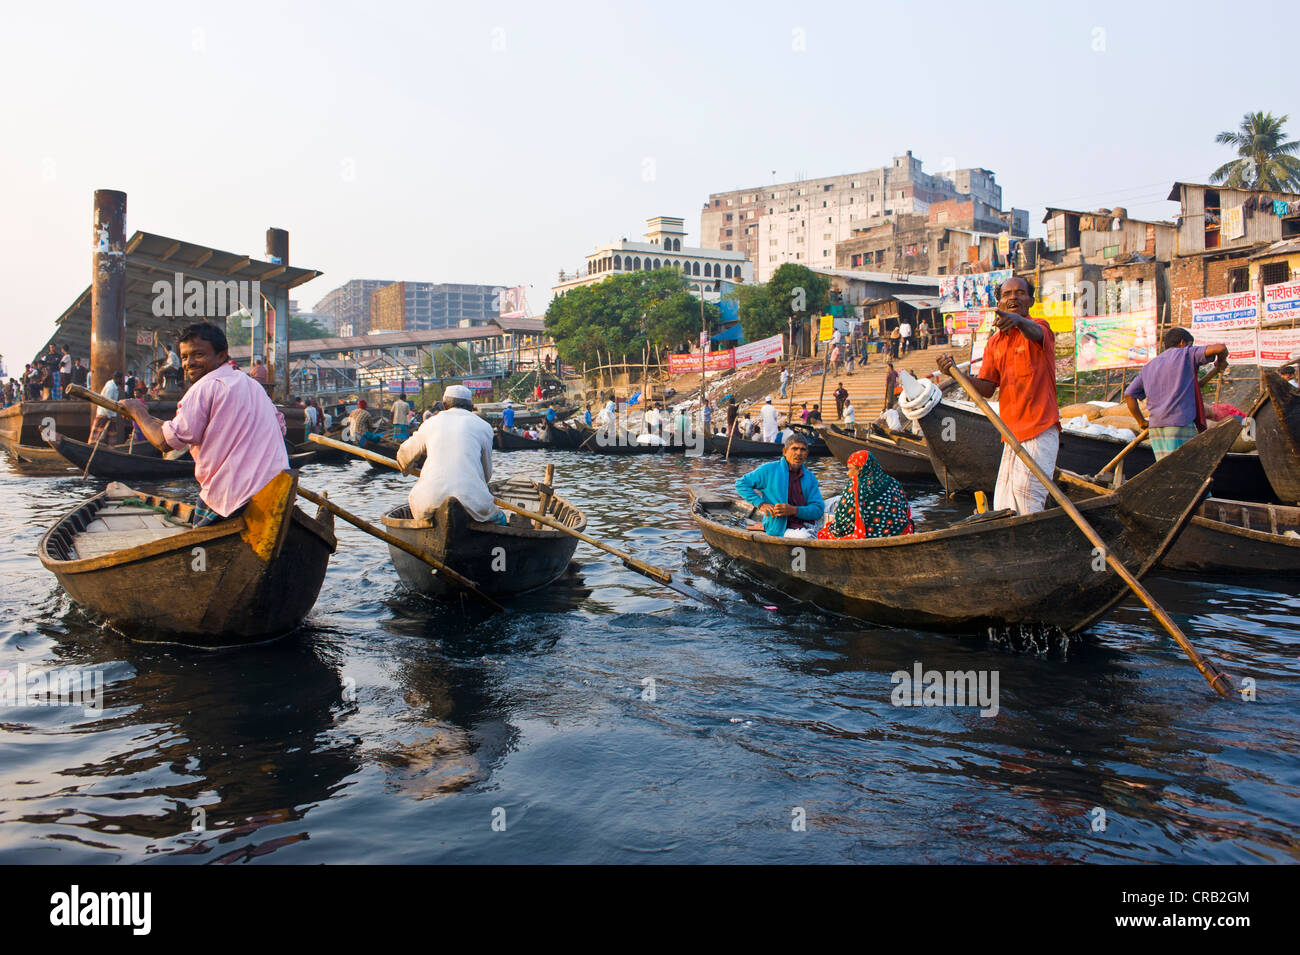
117, 528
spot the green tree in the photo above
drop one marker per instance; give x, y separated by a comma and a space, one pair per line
798, 292
300, 329
1266, 162
625, 313
760, 317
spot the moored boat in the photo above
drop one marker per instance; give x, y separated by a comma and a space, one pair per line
567, 437
901, 456
1277, 436
1239, 537
502, 559
963, 444
139, 461
1023, 569
135, 559
503, 440
740, 448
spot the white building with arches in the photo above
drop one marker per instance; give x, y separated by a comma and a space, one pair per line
662, 249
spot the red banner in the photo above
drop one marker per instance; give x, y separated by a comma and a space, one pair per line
713, 361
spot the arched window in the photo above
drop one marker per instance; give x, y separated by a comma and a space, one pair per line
618, 263
708, 269
695, 268
636, 264
657, 263
728, 271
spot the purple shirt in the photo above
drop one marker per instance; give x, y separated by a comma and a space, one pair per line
235, 434
1168, 382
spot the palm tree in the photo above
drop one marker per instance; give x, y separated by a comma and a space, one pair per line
1266, 161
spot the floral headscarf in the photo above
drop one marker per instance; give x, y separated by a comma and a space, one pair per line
873, 505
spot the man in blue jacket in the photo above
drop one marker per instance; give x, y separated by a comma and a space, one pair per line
785, 492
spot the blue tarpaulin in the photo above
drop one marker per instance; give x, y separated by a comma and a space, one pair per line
731, 334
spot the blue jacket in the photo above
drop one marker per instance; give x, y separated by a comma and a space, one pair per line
770, 484
508, 417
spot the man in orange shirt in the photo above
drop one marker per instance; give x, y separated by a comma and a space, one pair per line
1021, 360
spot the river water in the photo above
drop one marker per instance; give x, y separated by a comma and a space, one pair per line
610, 721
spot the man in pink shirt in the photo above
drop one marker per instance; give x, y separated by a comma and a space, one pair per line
234, 433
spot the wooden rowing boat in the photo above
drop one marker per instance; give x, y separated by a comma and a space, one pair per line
1030, 569
137, 462
135, 559
1239, 537
901, 456
742, 448
1277, 436
526, 418
140, 461
323, 453
566, 437
504, 440
965, 445
502, 559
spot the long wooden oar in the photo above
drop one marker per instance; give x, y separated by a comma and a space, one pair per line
1141, 436
657, 574
400, 544
1217, 680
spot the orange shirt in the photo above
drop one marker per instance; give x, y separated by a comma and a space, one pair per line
1025, 373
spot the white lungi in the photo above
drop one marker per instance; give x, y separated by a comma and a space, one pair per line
1017, 488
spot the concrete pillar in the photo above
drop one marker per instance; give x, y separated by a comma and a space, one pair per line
277, 355
108, 288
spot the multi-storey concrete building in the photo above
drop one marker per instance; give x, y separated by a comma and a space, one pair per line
952, 237
423, 306
662, 249
350, 305
802, 221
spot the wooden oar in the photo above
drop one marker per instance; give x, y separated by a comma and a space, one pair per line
400, 544
1207, 669
1141, 436
657, 574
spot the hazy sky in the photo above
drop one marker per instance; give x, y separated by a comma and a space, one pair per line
498, 143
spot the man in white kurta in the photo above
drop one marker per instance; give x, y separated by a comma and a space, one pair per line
457, 445
767, 417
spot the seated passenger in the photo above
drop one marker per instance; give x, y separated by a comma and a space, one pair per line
873, 505
785, 492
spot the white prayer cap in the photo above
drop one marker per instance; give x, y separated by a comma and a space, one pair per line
768, 399
458, 391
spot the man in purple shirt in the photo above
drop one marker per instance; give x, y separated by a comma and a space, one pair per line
1168, 382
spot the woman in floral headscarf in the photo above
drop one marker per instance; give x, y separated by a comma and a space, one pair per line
873, 505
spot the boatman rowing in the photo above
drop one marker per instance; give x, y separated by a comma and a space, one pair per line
457, 445
1020, 360
234, 433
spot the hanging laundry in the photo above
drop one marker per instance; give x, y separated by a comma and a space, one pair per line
1281, 208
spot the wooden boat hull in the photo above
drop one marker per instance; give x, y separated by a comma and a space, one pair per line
964, 444
501, 559
741, 448
566, 439
503, 440
1035, 569
110, 463
1277, 436
528, 418
1238, 537
905, 460
247, 579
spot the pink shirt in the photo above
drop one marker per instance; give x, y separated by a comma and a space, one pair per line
235, 434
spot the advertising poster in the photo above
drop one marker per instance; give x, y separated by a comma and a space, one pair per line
1281, 303
1238, 310
762, 350
1124, 340
1058, 315
959, 293
827, 328
713, 361
1276, 346
1243, 343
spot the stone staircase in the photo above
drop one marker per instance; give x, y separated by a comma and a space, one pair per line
866, 386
